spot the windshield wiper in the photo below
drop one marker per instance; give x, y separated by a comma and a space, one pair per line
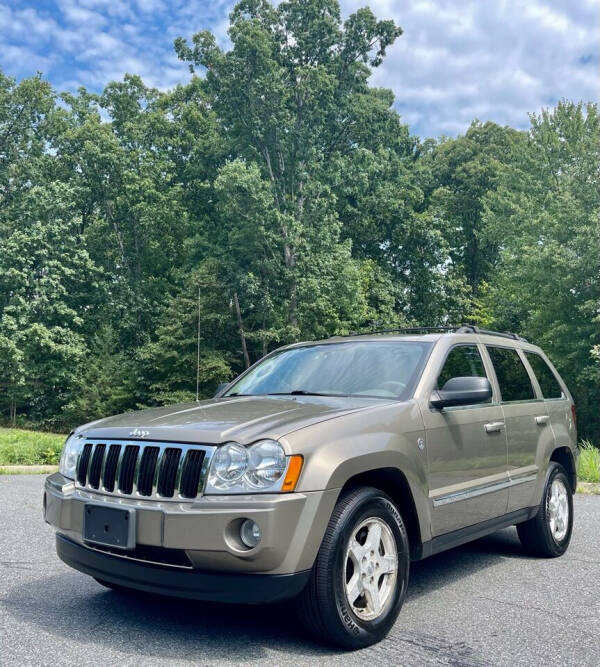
301, 392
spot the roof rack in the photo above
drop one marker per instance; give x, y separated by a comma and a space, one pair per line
401, 330
463, 328
471, 328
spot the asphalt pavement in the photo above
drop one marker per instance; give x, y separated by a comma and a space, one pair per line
482, 604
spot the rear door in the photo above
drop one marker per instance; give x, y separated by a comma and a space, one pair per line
466, 450
556, 399
528, 428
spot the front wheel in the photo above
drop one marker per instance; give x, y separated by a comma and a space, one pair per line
358, 582
549, 532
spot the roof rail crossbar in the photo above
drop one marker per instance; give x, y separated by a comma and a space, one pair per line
400, 330
463, 328
472, 328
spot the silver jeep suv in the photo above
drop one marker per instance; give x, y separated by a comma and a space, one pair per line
321, 472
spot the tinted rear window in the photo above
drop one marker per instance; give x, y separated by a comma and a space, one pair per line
513, 378
548, 382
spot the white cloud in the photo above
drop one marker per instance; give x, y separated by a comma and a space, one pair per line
495, 60
457, 59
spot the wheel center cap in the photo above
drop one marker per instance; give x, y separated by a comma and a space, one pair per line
370, 569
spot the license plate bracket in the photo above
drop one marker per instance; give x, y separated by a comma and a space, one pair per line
109, 526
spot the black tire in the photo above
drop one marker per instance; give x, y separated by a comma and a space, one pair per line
536, 535
323, 606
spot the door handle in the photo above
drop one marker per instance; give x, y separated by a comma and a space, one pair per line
493, 427
541, 420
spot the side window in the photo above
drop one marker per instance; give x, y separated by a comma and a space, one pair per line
545, 376
462, 361
513, 379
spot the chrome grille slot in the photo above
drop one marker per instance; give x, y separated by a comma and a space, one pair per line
84, 460
128, 469
190, 475
96, 466
110, 467
168, 472
146, 472
162, 471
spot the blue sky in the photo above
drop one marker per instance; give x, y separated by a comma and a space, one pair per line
457, 60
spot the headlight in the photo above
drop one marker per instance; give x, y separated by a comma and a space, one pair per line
230, 464
70, 455
267, 463
237, 469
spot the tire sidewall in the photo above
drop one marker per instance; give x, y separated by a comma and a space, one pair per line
557, 471
366, 632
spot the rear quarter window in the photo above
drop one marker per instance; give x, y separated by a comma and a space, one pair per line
548, 383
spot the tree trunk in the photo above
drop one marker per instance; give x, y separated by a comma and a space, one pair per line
290, 262
238, 313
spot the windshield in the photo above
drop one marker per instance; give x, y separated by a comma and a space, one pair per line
359, 368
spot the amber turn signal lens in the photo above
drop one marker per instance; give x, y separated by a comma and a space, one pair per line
293, 473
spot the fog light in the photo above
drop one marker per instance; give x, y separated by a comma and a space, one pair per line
250, 533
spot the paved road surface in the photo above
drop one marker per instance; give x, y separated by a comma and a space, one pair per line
483, 604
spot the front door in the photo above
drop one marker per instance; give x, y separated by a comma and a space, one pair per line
466, 451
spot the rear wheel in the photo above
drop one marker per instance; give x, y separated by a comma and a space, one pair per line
358, 582
549, 532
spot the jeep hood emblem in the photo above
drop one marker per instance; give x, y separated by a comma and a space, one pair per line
139, 434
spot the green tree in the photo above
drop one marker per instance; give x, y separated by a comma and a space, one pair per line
105, 382
382, 202
545, 217
465, 170
292, 93
168, 364
27, 123
45, 277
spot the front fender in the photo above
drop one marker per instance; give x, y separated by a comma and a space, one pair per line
385, 436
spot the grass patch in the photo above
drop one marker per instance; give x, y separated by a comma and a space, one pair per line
588, 489
28, 471
19, 447
588, 466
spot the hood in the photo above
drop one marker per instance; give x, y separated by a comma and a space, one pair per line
243, 419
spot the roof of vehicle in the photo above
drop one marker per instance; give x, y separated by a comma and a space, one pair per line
431, 334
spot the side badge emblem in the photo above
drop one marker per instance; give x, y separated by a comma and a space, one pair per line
421, 443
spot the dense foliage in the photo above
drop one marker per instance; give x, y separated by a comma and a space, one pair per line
283, 195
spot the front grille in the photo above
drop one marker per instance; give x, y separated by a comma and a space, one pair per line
158, 470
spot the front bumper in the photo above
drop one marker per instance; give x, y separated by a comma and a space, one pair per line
206, 530
195, 584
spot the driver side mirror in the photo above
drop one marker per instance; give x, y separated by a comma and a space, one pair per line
462, 391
